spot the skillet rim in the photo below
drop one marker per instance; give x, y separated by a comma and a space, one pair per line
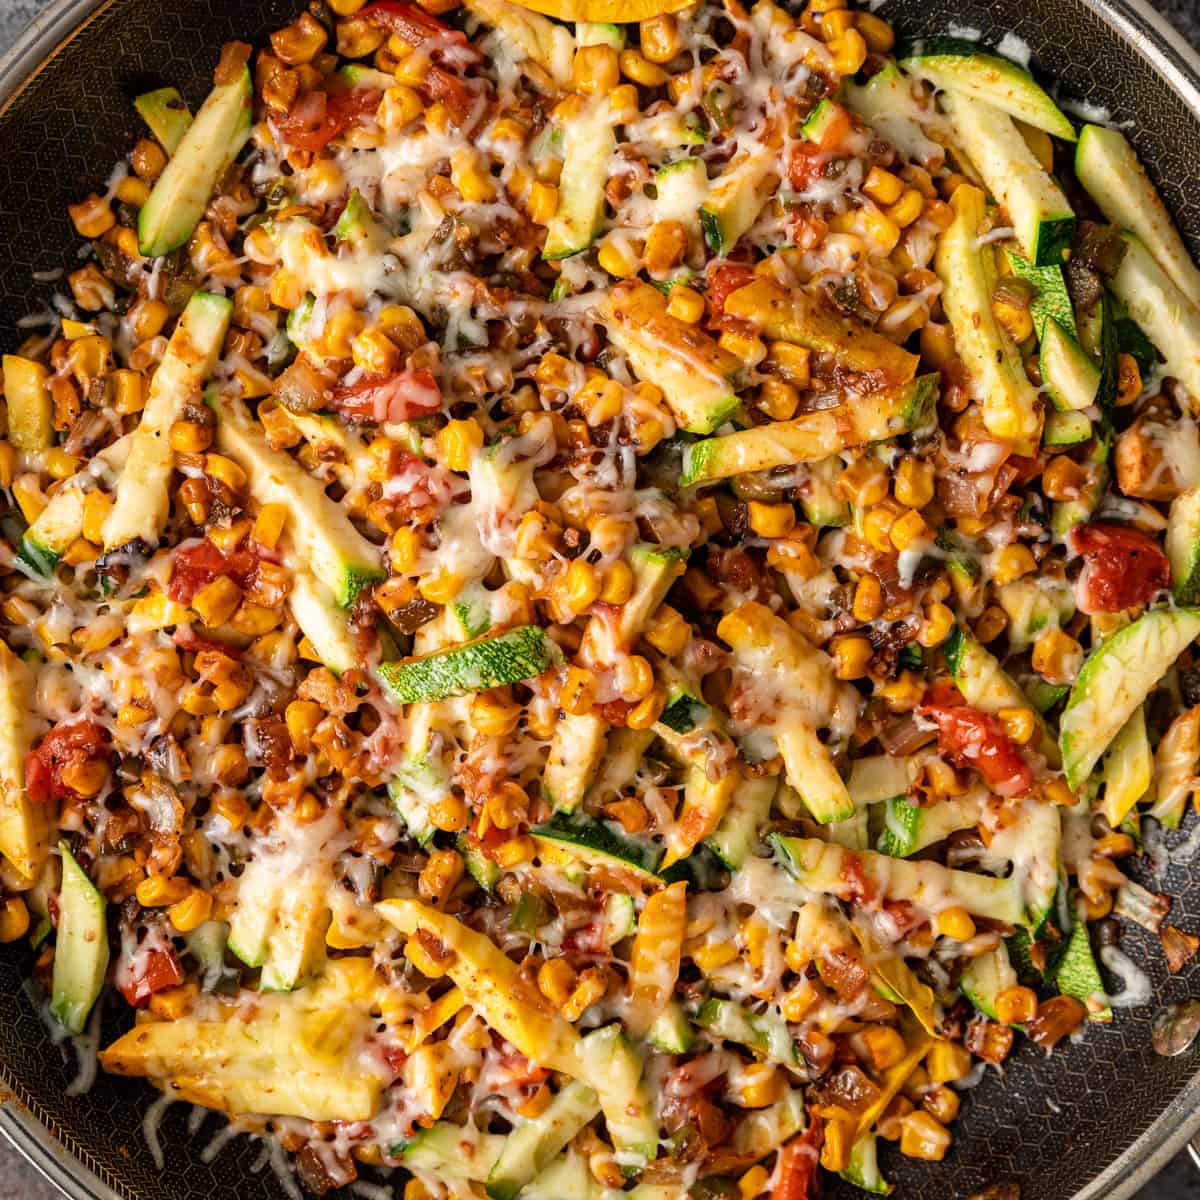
1139, 26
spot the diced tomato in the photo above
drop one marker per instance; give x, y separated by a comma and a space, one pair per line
977, 739
401, 396
513, 1069
1123, 567
318, 117
796, 1172
416, 27
153, 970
185, 639
196, 566
63, 747
805, 165
447, 88
723, 279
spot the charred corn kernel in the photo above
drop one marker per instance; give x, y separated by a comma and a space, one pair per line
863, 483
618, 583
467, 173
134, 192
592, 985
1016, 1005
597, 70
542, 202
130, 716
440, 875
14, 919
441, 588
936, 626
1129, 380
189, 437
941, 1103
1016, 319
747, 347
578, 691
851, 656
301, 41
192, 911
342, 331
216, 602
876, 32
836, 22
515, 851
287, 291
600, 400
268, 525
666, 246
791, 363
457, 443
449, 813
405, 550
147, 318
92, 216
760, 1084
884, 1045
374, 352
556, 980
1019, 723
1057, 656
667, 631
659, 38
618, 255
849, 53
86, 778
161, 891
225, 471
908, 529
634, 65
955, 922
494, 714
755, 1180
907, 209
148, 159
923, 1136
877, 526
839, 1136
712, 958
913, 486
777, 398
903, 693
128, 393
771, 520
1013, 563
684, 304
647, 710
991, 624
947, 1062
581, 586
868, 599
507, 805
553, 371
400, 107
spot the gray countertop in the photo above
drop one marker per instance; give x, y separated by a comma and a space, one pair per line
1180, 1181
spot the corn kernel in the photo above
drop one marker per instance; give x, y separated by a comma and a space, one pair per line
747, 347
754, 1182
596, 70
14, 919
947, 1062
839, 1136
907, 530
913, 486
634, 65
955, 922
1057, 656
618, 583
1019, 723
713, 957
217, 602
876, 32
760, 1085
907, 209
192, 911
617, 255
882, 186
868, 599
449, 813
578, 691
684, 304
515, 851
159, 891
924, 1137
556, 980
864, 483
592, 985
542, 202
851, 656
457, 443
92, 217
884, 1046
1016, 1005
936, 626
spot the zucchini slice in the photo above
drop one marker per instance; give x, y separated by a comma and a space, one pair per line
1036, 206
830, 870
1011, 409
167, 114
575, 753
1116, 678
1182, 545
875, 417
736, 197
537, 38
1169, 319
767, 1034
736, 837
459, 1152
81, 947
589, 143
30, 427
958, 65
181, 194
24, 824
143, 500
1071, 376
1128, 769
909, 828
324, 624
494, 660
597, 842
612, 1066
886, 102
321, 534
986, 977
1110, 172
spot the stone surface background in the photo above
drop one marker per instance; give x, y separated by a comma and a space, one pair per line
1180, 1181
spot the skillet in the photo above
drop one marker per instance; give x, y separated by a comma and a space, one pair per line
1097, 1119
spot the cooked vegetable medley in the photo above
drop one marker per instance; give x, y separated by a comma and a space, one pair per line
590, 610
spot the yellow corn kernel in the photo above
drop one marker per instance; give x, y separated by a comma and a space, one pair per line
907, 209
515, 851
777, 398
468, 175
86, 778
877, 526
883, 187
836, 22
457, 443
553, 371
405, 551
440, 875
791, 363
947, 1062
400, 107
1013, 563
1016, 319
667, 631
59, 464
1129, 380
225, 471
908, 529
92, 217
536, 537
218, 601
494, 714
924, 1137
130, 716
755, 1180
876, 32
578, 691
868, 599
376, 353
618, 583
268, 525
903, 693
159, 891
863, 483
955, 922
1057, 656
581, 585
659, 38
1019, 723
542, 202
129, 394
771, 520
8, 463
747, 347
884, 1046
634, 65
596, 70
600, 400
287, 291
192, 911
133, 191
14, 919
936, 626
712, 958
441, 588
556, 980
851, 656
666, 246
29, 497
913, 486
1016, 1005
592, 985
617, 255
839, 1136
684, 304
422, 956
449, 813
991, 624
849, 53
759, 1085
647, 710
229, 538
